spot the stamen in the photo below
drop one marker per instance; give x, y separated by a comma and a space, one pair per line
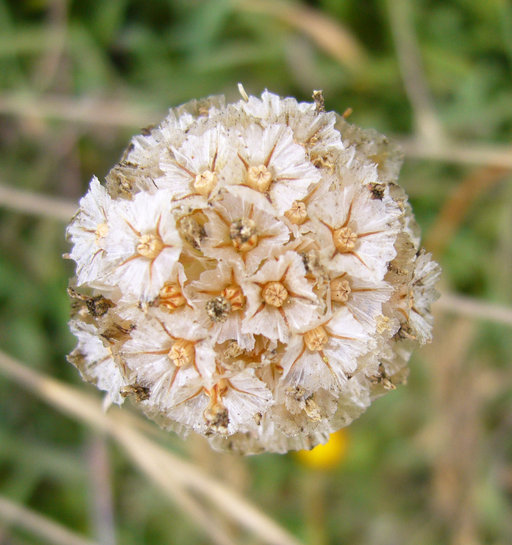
216, 415
340, 290
310, 261
171, 297
235, 296
316, 339
101, 232
298, 213
150, 246
233, 350
191, 231
274, 293
182, 353
377, 190
259, 178
205, 182
344, 239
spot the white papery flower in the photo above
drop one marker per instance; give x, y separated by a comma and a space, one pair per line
356, 232
363, 299
238, 231
95, 361
315, 132
142, 244
275, 165
325, 356
250, 272
219, 300
280, 299
88, 232
426, 275
159, 355
244, 397
199, 167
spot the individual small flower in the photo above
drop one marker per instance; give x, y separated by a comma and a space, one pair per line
363, 299
238, 231
275, 165
96, 362
143, 244
220, 302
198, 167
236, 402
158, 354
280, 299
250, 272
356, 231
88, 233
325, 356
316, 133
426, 275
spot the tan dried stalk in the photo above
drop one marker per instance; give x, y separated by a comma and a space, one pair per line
173, 472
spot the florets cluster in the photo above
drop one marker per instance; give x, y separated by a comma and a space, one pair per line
250, 272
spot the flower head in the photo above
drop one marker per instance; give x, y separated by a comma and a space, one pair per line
250, 272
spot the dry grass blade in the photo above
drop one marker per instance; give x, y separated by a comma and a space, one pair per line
90, 111
37, 204
473, 308
458, 153
328, 34
183, 474
455, 429
143, 454
52, 57
100, 497
38, 525
427, 125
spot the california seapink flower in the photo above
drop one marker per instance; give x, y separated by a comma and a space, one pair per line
250, 272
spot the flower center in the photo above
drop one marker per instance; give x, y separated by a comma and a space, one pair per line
259, 178
171, 297
274, 293
243, 235
316, 339
101, 231
340, 290
218, 309
298, 213
182, 353
235, 296
205, 182
344, 239
150, 246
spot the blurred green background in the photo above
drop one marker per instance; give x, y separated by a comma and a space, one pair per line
430, 463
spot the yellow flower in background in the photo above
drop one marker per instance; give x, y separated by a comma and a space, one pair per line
326, 456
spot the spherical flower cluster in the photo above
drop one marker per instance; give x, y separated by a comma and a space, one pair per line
250, 272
